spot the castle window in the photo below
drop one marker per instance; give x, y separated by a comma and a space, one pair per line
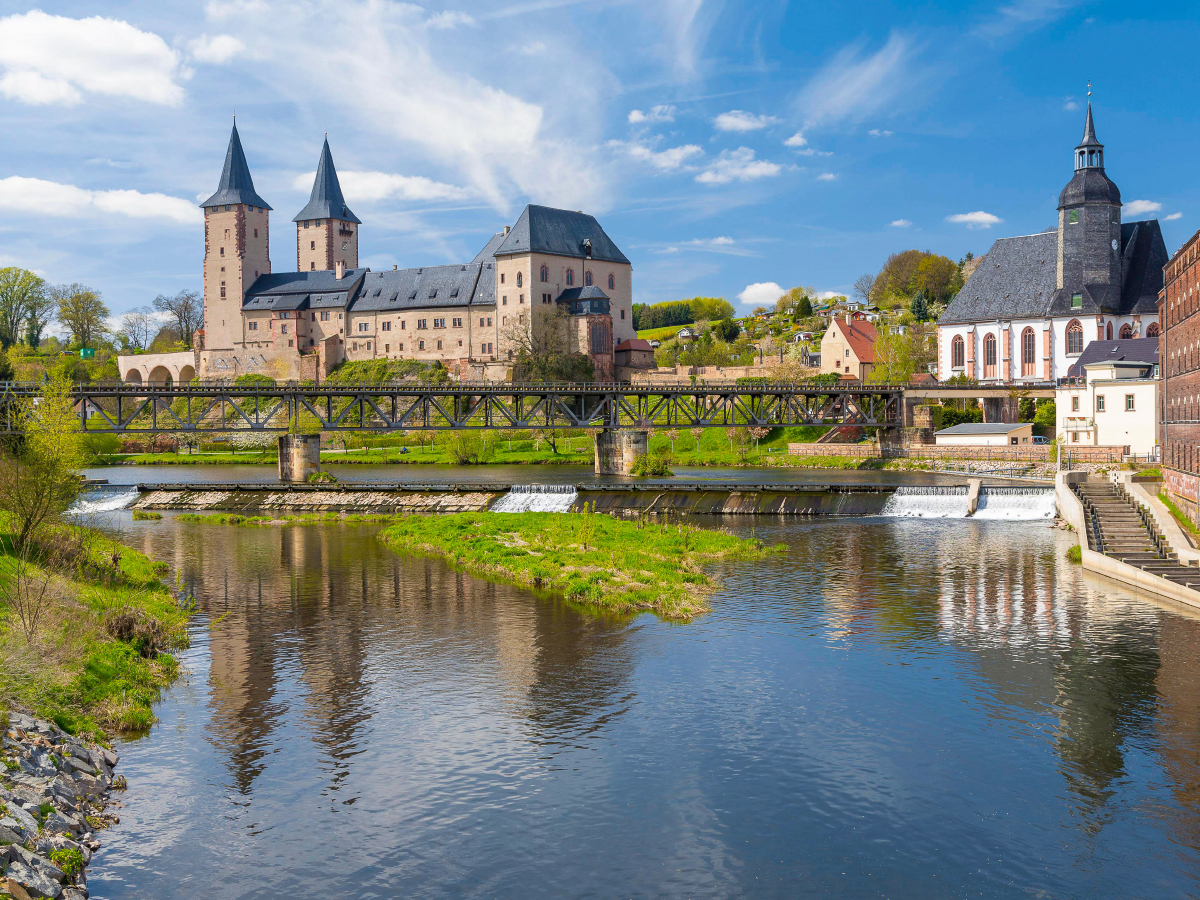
402, 327
520, 280
420, 345
354, 345
256, 232
545, 273
504, 300
345, 244
481, 321
364, 326
222, 251
439, 345
439, 323
504, 321
283, 328
421, 327
222, 289
228, 207
612, 282
489, 321
293, 344
1152, 330
1028, 352
252, 326
622, 314
958, 352
312, 245
521, 299
1076, 301
312, 266
1074, 337
306, 223
457, 323
1073, 217
587, 278
502, 278
368, 345
387, 326
324, 315
570, 277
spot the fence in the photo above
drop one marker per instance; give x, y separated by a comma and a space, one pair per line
1038, 454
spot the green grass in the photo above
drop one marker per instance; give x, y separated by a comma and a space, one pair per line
1184, 522
659, 334
603, 563
1075, 554
74, 671
142, 515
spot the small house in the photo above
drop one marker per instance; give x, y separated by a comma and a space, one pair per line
986, 434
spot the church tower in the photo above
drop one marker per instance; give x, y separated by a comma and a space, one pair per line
236, 248
1089, 224
326, 230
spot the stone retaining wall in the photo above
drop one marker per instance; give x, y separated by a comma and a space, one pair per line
1040, 454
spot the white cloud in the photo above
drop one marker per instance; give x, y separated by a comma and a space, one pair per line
901, 223
853, 87
826, 176
1070, 104
661, 113
739, 120
1173, 216
1022, 15
56, 60
722, 240
449, 19
829, 295
36, 196
977, 219
372, 186
761, 293
535, 49
796, 140
217, 50
875, 132
1140, 207
669, 160
738, 165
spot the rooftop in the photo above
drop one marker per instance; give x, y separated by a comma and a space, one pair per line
986, 428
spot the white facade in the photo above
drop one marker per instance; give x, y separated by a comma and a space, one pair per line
999, 436
1051, 357
1117, 406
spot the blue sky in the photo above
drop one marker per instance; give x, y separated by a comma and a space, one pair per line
723, 145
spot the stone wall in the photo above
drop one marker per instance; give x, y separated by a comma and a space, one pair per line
999, 454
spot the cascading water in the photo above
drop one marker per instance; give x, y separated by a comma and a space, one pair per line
104, 498
1017, 503
537, 498
927, 502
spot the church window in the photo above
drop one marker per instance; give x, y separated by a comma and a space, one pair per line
587, 279
958, 348
520, 280
1076, 301
612, 282
545, 274
1073, 217
1126, 332
989, 356
1074, 337
1109, 331
1152, 330
1028, 352
570, 276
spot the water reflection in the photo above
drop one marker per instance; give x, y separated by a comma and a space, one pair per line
909, 707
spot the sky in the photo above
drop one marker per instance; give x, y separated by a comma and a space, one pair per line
729, 148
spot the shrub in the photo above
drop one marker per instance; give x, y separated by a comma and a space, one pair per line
145, 515
142, 631
69, 860
651, 465
1075, 554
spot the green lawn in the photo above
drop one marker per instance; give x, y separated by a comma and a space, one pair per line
659, 334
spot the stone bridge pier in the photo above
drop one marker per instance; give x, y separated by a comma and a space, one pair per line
617, 449
1004, 410
299, 457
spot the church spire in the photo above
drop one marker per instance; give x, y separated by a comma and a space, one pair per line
236, 184
326, 201
1090, 152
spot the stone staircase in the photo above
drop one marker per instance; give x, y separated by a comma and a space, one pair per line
1119, 527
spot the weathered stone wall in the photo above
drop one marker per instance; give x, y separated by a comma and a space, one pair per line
618, 450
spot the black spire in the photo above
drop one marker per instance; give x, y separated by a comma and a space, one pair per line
236, 184
1089, 130
327, 201
1090, 152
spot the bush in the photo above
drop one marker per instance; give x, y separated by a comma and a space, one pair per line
96, 446
652, 465
144, 515
1075, 554
952, 416
254, 381
140, 630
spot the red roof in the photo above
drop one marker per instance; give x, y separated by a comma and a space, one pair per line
861, 338
635, 344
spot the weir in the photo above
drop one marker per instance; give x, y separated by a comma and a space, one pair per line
951, 502
537, 498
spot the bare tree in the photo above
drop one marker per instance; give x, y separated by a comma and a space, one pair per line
138, 327
863, 288
545, 352
82, 311
187, 310
29, 589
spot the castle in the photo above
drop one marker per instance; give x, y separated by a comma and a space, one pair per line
553, 270
1034, 302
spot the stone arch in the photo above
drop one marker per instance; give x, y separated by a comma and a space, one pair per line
160, 376
186, 374
1126, 331
133, 376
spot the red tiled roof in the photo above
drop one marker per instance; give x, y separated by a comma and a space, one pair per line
861, 338
634, 344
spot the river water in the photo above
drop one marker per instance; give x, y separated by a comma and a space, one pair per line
893, 707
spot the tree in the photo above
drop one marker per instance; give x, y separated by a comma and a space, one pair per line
710, 309
41, 311
82, 311
727, 330
138, 327
864, 287
19, 290
166, 340
919, 306
804, 308
893, 360
545, 353
185, 308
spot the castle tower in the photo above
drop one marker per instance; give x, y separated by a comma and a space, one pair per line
1089, 221
236, 248
326, 230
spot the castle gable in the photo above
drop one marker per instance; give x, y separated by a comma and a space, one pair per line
559, 232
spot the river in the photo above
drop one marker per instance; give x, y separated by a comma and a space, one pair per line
893, 707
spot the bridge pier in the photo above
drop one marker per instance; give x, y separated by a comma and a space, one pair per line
1001, 409
299, 457
618, 449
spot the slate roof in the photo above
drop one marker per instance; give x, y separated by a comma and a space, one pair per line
1016, 279
490, 248
302, 290
984, 428
591, 292
1131, 350
1089, 185
236, 185
428, 287
559, 232
326, 201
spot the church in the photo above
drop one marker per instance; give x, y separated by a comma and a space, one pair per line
552, 269
1035, 302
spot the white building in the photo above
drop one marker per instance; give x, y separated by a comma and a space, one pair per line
1035, 302
1111, 397
985, 434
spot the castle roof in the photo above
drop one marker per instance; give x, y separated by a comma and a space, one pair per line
428, 287
326, 201
302, 290
236, 185
559, 232
490, 248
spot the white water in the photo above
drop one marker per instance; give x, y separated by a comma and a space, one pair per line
537, 498
927, 503
1016, 503
101, 500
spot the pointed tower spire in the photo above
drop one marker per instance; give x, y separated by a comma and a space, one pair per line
1090, 152
236, 184
327, 201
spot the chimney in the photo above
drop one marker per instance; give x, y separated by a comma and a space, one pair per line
394, 267
506, 230
339, 269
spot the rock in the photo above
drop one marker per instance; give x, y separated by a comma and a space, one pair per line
12, 826
47, 844
73, 894
109, 757
10, 835
57, 823
38, 862
25, 883
15, 813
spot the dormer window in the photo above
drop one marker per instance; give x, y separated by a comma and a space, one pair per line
1073, 217
1076, 301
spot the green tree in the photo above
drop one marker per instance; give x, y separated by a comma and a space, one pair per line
20, 292
919, 306
185, 309
1046, 413
710, 309
84, 314
804, 308
727, 330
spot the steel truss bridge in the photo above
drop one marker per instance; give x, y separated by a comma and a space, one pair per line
135, 409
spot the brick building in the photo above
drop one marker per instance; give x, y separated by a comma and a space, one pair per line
1179, 380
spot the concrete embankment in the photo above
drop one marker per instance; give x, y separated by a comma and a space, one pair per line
54, 793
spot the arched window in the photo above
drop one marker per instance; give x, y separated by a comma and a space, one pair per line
570, 276
1110, 331
520, 279
989, 356
958, 352
612, 282
545, 274
1074, 337
1152, 330
1126, 331
1028, 352
587, 278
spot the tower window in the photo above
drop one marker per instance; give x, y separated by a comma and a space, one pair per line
222, 251
520, 280
312, 245
256, 232
612, 282
1073, 217
345, 245
312, 266
502, 278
